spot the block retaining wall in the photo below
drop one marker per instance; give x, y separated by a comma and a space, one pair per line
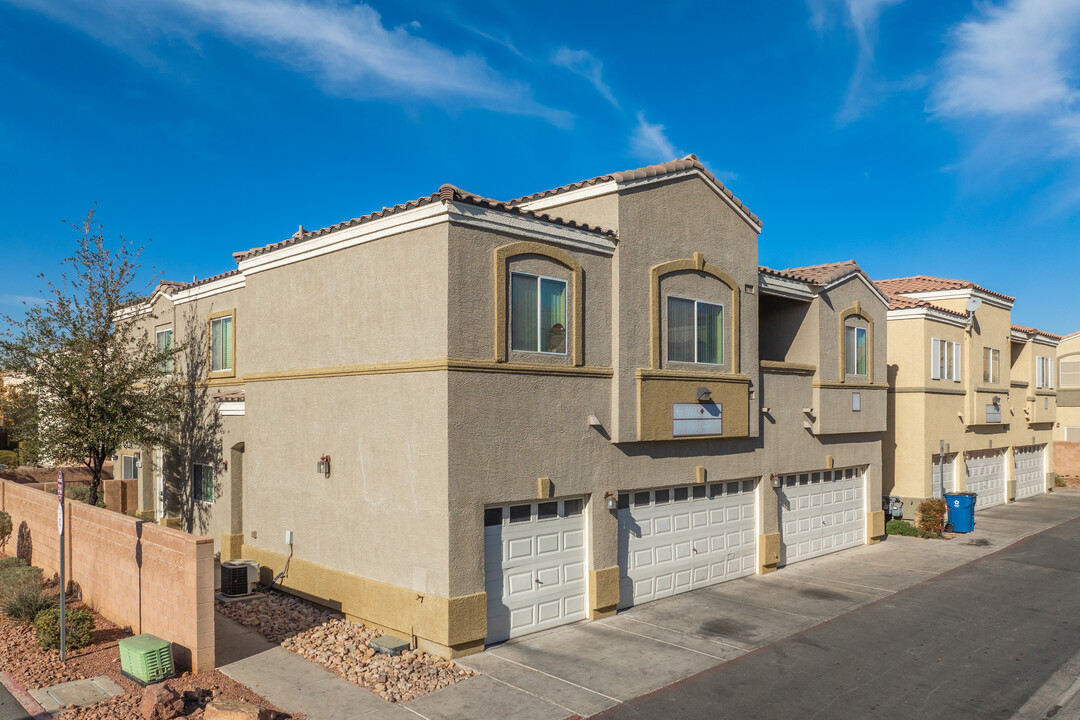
136, 573
1067, 458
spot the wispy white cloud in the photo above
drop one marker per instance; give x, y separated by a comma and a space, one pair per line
345, 48
650, 143
865, 89
20, 300
585, 64
1014, 60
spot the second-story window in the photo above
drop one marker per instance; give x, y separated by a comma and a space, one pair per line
855, 350
164, 344
991, 365
537, 314
221, 344
1069, 372
1044, 372
695, 331
944, 360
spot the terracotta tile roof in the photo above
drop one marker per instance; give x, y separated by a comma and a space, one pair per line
680, 164
928, 283
817, 274
228, 396
900, 302
446, 193
1035, 331
1071, 335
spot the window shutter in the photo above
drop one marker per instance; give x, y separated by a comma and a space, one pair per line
1038, 372
1050, 373
956, 359
935, 353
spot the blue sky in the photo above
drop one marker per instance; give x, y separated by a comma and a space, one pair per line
931, 137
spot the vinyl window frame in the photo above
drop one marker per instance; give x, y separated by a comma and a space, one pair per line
1044, 372
720, 336
127, 461
163, 340
202, 476
945, 360
539, 313
1069, 378
211, 320
991, 366
852, 351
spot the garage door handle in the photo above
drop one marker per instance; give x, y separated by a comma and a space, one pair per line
539, 581
825, 523
694, 549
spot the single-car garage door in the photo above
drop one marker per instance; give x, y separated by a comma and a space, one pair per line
821, 512
986, 476
1029, 470
534, 566
677, 539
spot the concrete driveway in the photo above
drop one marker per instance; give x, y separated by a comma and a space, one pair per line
585, 668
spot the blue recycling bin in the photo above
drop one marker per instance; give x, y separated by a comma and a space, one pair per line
961, 510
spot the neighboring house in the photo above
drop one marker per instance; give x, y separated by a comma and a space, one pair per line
1067, 428
478, 419
972, 397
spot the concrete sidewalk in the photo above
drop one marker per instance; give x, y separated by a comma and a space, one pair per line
585, 668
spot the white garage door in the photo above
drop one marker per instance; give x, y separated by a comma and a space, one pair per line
943, 476
678, 539
534, 566
821, 512
986, 476
1029, 470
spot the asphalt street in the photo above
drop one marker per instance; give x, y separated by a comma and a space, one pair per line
10, 709
976, 642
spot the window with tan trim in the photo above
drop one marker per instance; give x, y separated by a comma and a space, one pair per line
221, 344
1069, 373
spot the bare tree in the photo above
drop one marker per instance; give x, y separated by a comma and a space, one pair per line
95, 380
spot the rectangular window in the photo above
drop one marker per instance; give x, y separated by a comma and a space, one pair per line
129, 468
203, 481
1070, 373
944, 360
695, 331
537, 314
991, 366
855, 350
221, 343
856, 402
164, 343
1044, 372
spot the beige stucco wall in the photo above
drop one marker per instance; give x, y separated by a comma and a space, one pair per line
1068, 397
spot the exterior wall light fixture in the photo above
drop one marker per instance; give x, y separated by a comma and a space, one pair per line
323, 466
611, 501
776, 481
704, 395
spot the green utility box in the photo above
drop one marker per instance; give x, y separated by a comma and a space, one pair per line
146, 658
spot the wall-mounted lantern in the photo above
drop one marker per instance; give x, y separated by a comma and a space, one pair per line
323, 466
611, 501
704, 395
776, 480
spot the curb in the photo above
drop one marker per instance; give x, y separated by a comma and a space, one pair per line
22, 697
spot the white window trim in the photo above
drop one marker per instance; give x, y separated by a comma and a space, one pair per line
994, 379
566, 293
951, 368
866, 359
1044, 372
134, 467
198, 494
723, 327
1070, 382
169, 331
221, 319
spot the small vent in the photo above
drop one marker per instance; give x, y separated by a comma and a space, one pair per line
239, 577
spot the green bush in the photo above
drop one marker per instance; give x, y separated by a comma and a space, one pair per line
5, 528
11, 562
931, 517
16, 572
9, 458
1059, 481
23, 595
899, 527
80, 628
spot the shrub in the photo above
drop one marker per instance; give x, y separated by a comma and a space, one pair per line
5, 528
24, 597
9, 458
899, 527
1059, 481
11, 562
15, 573
80, 628
24, 545
80, 493
931, 517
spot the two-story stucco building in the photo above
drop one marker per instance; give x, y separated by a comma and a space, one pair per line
1067, 427
972, 397
478, 419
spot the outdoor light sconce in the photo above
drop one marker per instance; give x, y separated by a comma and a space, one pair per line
704, 395
996, 401
777, 482
611, 501
224, 466
323, 466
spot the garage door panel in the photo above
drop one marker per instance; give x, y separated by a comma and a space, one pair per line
534, 567
708, 523
821, 512
1029, 470
986, 477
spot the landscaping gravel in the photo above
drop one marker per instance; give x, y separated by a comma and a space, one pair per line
342, 647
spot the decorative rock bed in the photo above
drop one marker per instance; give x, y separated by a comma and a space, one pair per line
342, 647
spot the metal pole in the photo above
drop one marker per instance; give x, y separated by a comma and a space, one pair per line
941, 467
63, 584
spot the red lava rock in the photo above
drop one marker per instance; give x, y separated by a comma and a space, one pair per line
159, 702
